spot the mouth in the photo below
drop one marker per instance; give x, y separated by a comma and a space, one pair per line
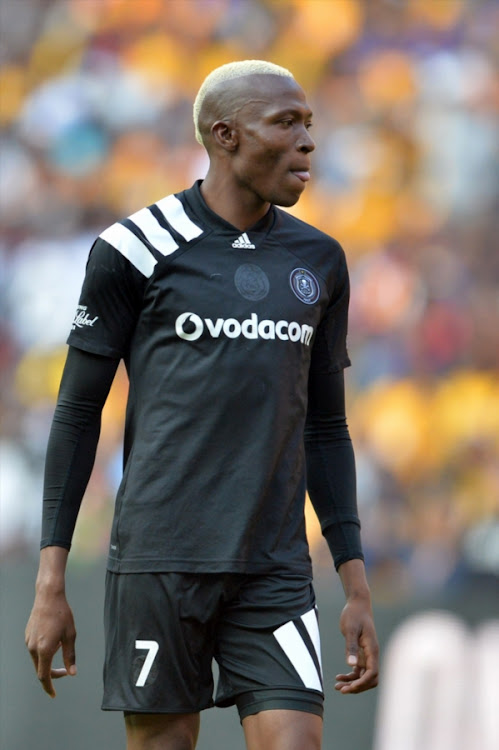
302, 174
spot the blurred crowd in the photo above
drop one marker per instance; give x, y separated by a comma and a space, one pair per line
95, 109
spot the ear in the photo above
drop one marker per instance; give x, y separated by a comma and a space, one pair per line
225, 135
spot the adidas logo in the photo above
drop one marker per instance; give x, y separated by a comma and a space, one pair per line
243, 242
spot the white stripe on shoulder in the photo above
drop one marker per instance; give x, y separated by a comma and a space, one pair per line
131, 247
159, 237
173, 211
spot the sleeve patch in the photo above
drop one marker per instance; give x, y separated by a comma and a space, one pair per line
83, 318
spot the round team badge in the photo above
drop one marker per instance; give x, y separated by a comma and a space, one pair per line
304, 285
251, 282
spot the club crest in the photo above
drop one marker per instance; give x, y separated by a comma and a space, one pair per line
251, 282
304, 285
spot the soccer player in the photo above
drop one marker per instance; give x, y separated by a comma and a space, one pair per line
231, 317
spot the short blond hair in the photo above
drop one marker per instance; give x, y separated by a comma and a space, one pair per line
228, 72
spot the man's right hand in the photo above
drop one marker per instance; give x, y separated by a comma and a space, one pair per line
51, 624
50, 627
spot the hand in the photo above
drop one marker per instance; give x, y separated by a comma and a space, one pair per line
362, 652
50, 627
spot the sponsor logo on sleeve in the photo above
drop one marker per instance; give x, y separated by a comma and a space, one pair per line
82, 319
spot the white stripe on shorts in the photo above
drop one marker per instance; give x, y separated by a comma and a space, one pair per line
309, 619
297, 652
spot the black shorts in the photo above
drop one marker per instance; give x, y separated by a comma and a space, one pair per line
163, 631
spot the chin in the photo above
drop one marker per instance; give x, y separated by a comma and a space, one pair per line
286, 201
286, 198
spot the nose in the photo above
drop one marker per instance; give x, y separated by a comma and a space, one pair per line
306, 143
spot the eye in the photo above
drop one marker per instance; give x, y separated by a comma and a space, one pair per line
309, 125
287, 122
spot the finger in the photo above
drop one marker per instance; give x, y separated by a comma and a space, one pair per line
368, 676
355, 689
44, 672
368, 680
34, 657
352, 651
69, 656
369, 642
56, 674
348, 677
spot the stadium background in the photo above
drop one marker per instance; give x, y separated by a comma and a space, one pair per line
95, 109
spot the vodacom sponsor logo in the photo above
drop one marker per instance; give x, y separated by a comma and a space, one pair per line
190, 327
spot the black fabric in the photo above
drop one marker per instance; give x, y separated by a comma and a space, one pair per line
331, 466
289, 700
73, 440
115, 288
185, 620
219, 332
75, 432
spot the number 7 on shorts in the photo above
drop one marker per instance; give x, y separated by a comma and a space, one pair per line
152, 647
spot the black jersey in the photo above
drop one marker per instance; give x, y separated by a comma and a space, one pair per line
218, 330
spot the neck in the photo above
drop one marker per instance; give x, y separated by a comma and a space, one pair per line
232, 202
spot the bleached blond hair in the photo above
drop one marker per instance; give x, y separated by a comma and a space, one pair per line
228, 72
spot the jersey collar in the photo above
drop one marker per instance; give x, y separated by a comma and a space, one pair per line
199, 207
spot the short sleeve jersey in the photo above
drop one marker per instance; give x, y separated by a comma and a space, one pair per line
218, 330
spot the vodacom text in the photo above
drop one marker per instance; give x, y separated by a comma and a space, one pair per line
190, 327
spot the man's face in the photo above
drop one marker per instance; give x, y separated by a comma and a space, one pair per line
272, 159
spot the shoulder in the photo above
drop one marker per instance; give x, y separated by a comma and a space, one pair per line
153, 233
163, 224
